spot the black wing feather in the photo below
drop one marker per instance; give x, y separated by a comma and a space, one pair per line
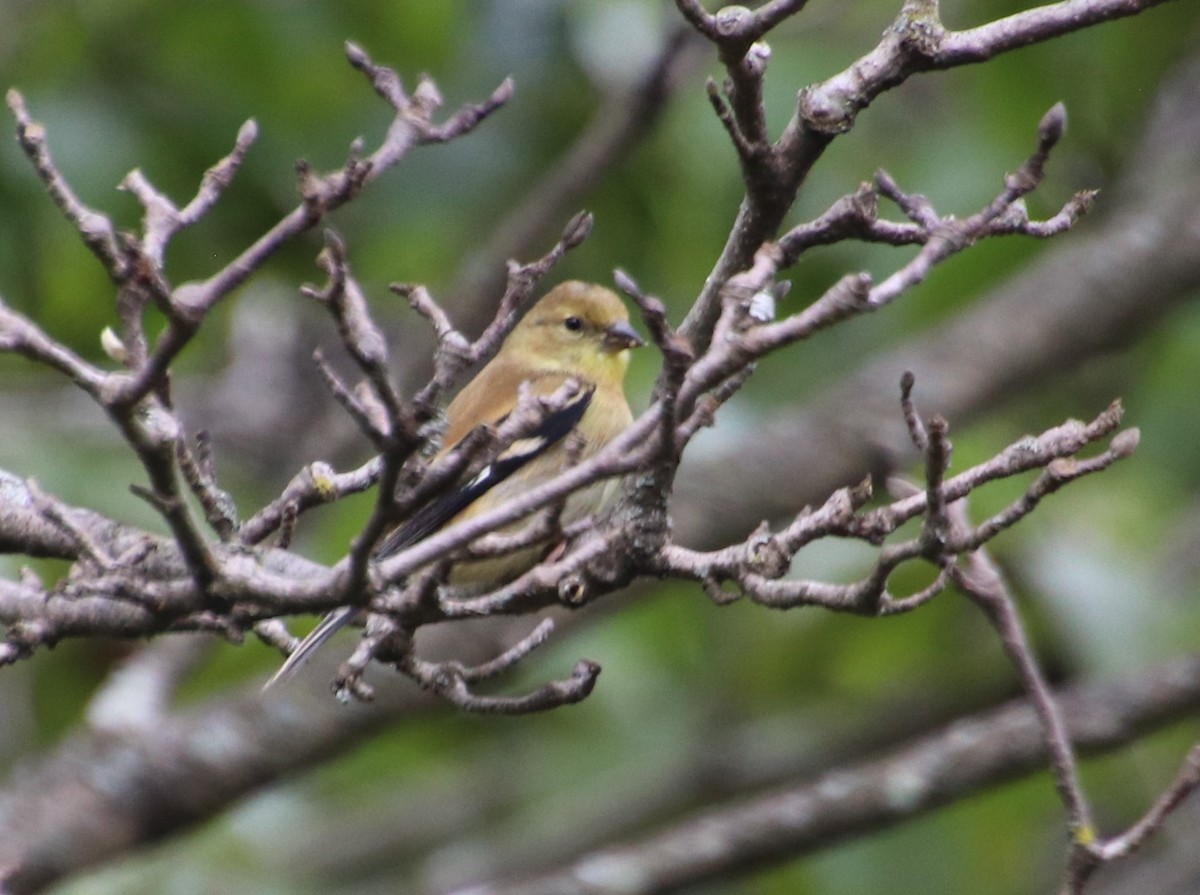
553, 429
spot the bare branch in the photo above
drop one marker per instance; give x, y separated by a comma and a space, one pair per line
163, 220
95, 229
456, 353
981, 581
758, 564
916, 42
614, 130
20, 335
805, 814
737, 26
363, 340
219, 507
412, 126
452, 683
315, 484
1184, 784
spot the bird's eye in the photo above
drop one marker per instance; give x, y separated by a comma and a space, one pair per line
574, 324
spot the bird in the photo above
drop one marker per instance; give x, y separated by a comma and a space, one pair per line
578, 332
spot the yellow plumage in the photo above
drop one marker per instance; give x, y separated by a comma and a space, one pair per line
577, 331
544, 351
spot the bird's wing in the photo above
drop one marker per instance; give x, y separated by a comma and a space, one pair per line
552, 429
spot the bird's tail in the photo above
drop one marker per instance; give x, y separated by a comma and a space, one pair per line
330, 625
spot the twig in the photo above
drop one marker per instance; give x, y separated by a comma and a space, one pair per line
1185, 783
363, 340
917, 41
163, 220
456, 352
315, 484
451, 682
981, 581
94, 228
614, 130
197, 469
916, 428
757, 571
412, 126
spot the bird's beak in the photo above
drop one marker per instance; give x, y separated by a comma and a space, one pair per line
621, 336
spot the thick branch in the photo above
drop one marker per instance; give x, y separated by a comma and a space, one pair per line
968, 756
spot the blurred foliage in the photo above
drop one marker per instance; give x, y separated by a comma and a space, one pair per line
164, 87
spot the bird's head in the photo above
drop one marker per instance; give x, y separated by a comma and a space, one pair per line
579, 329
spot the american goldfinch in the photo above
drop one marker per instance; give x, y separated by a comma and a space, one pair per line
577, 332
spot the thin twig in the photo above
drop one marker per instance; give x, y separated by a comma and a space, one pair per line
982, 582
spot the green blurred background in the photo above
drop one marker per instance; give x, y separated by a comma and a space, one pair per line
1105, 570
